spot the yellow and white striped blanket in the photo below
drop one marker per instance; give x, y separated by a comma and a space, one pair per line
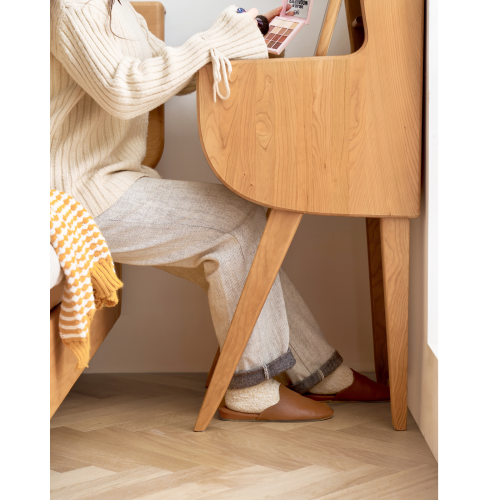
91, 282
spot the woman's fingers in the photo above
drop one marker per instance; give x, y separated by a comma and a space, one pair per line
253, 13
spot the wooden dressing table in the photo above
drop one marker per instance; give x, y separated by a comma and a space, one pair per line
338, 136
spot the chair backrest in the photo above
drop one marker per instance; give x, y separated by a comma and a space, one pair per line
154, 14
327, 135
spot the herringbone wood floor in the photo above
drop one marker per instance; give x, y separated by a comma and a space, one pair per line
131, 436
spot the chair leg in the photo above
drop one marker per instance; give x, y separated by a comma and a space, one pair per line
377, 300
214, 364
278, 234
395, 240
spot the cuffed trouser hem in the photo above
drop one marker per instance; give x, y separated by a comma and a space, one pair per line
250, 378
315, 378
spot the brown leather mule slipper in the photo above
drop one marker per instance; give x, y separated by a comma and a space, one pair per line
362, 389
292, 407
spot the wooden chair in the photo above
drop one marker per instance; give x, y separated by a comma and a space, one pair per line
337, 136
63, 372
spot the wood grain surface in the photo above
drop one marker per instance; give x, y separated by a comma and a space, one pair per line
129, 437
156, 137
325, 36
63, 370
154, 14
395, 240
326, 135
278, 234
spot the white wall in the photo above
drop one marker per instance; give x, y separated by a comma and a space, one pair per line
422, 362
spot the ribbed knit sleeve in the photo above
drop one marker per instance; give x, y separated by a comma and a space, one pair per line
127, 87
157, 47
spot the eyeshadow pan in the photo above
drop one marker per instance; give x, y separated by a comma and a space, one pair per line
284, 27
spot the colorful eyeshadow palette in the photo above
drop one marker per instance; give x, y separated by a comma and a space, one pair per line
283, 28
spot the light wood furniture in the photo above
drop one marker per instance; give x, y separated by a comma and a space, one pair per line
330, 136
154, 14
63, 372
130, 437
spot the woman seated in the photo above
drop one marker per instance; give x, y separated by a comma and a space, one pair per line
107, 72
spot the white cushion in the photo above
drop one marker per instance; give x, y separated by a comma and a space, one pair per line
56, 272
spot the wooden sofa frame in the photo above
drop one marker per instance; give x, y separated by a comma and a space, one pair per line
63, 371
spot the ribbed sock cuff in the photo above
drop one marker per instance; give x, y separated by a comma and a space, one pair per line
249, 378
315, 378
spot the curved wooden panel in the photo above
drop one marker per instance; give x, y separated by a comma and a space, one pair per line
330, 135
154, 14
156, 137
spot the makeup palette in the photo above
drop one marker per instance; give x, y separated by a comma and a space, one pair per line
284, 27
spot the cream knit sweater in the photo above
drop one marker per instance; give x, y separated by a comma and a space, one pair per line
104, 85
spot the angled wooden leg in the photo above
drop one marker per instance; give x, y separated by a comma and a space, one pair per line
214, 364
278, 234
395, 239
377, 300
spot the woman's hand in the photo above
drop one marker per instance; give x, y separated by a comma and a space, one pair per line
253, 13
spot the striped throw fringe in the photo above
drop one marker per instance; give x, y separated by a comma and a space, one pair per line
91, 282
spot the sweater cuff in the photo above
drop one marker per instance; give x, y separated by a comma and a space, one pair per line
236, 36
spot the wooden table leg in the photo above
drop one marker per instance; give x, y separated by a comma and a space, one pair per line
278, 234
395, 240
377, 300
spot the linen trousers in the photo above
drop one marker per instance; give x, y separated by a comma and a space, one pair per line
205, 233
